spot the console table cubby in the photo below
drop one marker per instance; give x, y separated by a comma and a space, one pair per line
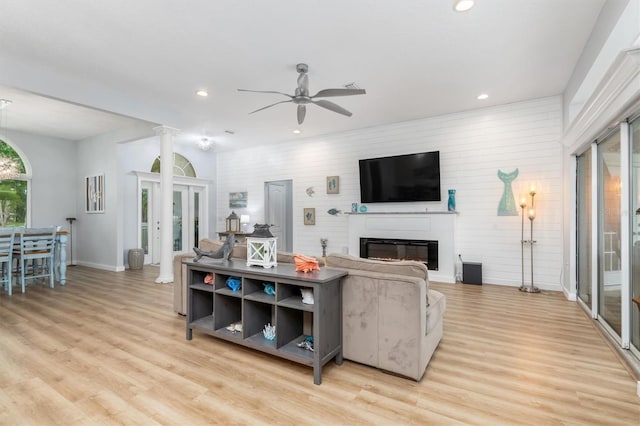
212, 308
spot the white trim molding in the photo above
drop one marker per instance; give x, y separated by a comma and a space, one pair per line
616, 94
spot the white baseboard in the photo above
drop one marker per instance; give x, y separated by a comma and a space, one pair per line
570, 295
541, 286
100, 266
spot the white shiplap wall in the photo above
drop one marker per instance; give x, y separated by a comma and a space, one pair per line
473, 146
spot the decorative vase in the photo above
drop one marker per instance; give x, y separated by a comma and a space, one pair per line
451, 203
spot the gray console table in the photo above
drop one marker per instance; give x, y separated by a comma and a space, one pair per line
212, 308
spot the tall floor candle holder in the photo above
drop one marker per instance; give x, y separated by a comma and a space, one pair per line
530, 242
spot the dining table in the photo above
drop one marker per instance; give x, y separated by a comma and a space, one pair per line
59, 256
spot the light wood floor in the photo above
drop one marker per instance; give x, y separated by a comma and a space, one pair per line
108, 349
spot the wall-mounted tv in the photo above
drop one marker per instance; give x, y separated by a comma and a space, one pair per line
401, 178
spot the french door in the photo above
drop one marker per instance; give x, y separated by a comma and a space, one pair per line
189, 204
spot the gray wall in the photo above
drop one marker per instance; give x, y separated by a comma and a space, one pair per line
53, 184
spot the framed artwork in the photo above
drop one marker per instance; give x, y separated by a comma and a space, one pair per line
309, 216
94, 194
237, 200
333, 184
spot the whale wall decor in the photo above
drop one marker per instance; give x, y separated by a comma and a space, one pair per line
507, 205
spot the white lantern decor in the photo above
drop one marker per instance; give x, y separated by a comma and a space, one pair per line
261, 247
262, 252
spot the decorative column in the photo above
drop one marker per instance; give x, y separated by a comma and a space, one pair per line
166, 203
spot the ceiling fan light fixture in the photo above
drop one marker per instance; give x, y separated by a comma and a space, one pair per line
296, 131
202, 93
463, 5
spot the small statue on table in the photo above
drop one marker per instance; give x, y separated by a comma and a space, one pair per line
223, 254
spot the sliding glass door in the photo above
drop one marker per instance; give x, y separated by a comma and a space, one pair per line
584, 220
634, 215
609, 237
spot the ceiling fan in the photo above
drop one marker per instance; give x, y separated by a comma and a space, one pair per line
302, 98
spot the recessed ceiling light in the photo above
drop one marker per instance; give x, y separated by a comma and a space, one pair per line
463, 5
483, 96
202, 93
297, 131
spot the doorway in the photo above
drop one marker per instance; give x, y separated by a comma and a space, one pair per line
278, 200
189, 205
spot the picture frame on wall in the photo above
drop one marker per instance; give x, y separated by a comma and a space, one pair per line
309, 216
94, 194
237, 200
333, 184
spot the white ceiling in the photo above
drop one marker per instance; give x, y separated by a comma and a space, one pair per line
146, 59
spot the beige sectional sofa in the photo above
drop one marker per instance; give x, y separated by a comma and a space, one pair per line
391, 319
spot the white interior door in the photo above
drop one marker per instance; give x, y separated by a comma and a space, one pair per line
278, 201
180, 218
188, 221
155, 229
146, 224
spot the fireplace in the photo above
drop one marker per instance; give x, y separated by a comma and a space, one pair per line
438, 227
396, 249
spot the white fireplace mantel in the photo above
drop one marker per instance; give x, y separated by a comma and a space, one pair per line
438, 226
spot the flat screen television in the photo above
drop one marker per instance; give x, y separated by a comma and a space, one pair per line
401, 178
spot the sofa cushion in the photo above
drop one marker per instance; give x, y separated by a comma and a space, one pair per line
408, 268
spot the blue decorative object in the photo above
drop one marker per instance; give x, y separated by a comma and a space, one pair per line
507, 206
451, 203
334, 212
269, 289
363, 208
354, 207
307, 343
234, 283
269, 332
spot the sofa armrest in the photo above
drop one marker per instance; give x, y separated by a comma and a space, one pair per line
179, 282
384, 320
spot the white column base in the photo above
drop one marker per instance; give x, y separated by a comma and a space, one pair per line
164, 279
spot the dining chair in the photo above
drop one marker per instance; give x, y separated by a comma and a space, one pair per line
36, 244
7, 239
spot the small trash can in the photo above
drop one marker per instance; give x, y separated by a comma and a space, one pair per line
471, 273
136, 258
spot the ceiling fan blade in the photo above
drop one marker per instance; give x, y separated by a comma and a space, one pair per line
269, 106
302, 111
339, 92
332, 107
264, 91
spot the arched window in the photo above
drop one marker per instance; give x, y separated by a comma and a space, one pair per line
181, 166
13, 187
